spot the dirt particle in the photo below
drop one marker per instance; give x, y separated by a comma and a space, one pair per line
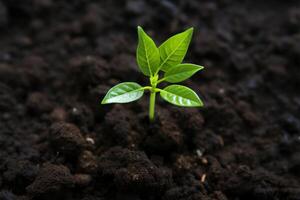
19, 173
199, 153
123, 127
185, 163
183, 193
82, 180
81, 115
132, 170
203, 178
195, 123
90, 140
204, 161
211, 142
51, 178
58, 115
218, 195
66, 138
165, 135
87, 162
38, 103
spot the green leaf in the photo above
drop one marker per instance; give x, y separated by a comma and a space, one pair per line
147, 54
123, 93
181, 72
181, 96
172, 51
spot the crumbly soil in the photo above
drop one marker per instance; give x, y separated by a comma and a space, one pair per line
58, 58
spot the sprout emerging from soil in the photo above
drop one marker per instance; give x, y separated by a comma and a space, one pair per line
152, 60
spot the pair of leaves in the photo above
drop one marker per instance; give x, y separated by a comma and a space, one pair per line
167, 57
175, 94
171, 53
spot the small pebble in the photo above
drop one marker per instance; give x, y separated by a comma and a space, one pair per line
204, 161
199, 153
203, 177
90, 140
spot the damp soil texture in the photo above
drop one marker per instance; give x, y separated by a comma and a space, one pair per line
58, 59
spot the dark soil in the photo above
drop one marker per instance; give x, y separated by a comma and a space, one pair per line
58, 58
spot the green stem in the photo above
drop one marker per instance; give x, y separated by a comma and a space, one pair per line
161, 80
147, 88
152, 105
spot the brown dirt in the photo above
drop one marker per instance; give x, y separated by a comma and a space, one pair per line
58, 59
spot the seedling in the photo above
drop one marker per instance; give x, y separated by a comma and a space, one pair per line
152, 60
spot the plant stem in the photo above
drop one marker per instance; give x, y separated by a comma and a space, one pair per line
152, 105
147, 88
161, 80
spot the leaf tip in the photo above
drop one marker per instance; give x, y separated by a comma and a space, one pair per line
201, 67
103, 101
140, 30
190, 30
200, 102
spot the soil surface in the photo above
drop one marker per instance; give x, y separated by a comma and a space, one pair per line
58, 59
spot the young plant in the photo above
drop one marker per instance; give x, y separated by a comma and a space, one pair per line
152, 60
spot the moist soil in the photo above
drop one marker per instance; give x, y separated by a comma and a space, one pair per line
59, 58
